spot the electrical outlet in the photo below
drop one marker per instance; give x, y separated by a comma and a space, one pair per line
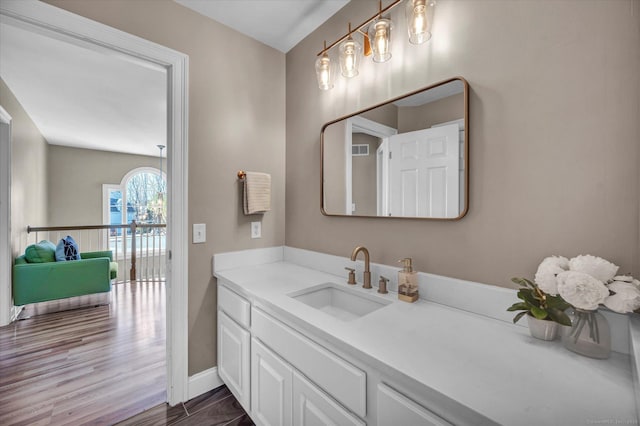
256, 229
199, 233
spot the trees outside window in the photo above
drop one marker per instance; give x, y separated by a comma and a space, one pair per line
140, 197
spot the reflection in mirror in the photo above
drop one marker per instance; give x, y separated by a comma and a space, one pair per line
404, 158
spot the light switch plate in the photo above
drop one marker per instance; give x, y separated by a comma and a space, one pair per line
256, 229
199, 233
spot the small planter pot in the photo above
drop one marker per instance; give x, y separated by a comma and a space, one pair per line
542, 329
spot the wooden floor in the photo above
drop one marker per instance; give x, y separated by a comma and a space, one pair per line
217, 407
96, 365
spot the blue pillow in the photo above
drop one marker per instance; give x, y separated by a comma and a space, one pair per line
67, 249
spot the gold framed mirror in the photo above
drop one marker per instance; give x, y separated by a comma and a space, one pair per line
407, 157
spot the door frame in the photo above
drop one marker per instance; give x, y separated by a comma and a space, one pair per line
6, 302
61, 24
359, 124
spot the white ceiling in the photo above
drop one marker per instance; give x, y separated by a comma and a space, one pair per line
98, 99
280, 24
84, 98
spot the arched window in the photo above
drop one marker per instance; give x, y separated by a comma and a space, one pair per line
140, 196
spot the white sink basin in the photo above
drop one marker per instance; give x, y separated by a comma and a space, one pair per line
340, 301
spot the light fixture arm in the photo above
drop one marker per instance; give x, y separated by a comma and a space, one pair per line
359, 27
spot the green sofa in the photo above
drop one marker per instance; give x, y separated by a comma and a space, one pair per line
40, 282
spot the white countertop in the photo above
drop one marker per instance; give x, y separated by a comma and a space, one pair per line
489, 366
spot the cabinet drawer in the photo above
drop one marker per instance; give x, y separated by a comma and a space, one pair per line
237, 307
340, 379
396, 409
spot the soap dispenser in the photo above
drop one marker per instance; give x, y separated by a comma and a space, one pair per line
407, 282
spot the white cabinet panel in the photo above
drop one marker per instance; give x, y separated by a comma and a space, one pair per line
337, 377
396, 409
234, 358
270, 387
311, 407
237, 307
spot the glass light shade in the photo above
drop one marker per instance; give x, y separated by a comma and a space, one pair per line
350, 51
419, 18
324, 72
380, 37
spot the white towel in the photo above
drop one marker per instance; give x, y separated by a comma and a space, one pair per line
257, 193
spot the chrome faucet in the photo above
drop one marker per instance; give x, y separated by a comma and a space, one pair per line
367, 272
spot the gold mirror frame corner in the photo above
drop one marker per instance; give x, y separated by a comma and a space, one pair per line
463, 213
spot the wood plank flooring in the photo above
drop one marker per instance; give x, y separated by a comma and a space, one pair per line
96, 365
215, 408
100, 366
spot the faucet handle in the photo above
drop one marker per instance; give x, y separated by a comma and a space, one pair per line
382, 285
352, 275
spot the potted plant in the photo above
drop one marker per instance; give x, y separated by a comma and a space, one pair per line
544, 311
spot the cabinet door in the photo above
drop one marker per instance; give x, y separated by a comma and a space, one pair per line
270, 387
233, 358
312, 407
396, 409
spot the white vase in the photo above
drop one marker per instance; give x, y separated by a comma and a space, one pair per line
542, 329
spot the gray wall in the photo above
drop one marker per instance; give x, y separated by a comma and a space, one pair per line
425, 116
236, 121
363, 176
554, 136
28, 172
77, 199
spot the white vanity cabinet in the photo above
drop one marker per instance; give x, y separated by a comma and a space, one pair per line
342, 380
282, 377
234, 344
281, 396
396, 409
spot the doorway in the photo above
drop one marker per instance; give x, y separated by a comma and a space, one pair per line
60, 24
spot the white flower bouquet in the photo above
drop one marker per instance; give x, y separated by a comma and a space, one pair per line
586, 282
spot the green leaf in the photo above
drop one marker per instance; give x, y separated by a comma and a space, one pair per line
527, 296
557, 302
518, 307
559, 316
523, 282
517, 317
538, 312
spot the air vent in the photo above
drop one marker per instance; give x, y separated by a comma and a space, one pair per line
360, 150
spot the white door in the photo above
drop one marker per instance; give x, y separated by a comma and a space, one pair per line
312, 407
233, 358
423, 173
270, 387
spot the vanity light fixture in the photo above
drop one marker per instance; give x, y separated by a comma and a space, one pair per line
419, 15
376, 32
324, 70
350, 51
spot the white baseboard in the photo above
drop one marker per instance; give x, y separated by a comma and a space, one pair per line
203, 382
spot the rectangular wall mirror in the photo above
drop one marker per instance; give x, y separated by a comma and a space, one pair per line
406, 158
